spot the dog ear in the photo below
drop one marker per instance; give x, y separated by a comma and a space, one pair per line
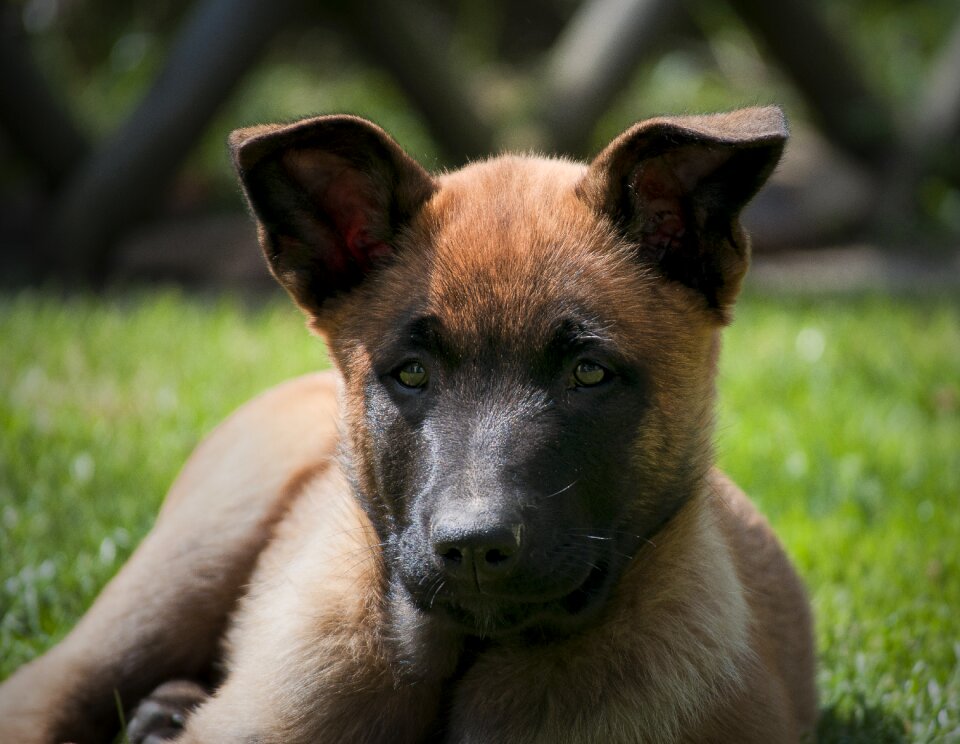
674, 187
330, 194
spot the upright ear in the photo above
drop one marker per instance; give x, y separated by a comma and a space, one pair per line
330, 195
675, 187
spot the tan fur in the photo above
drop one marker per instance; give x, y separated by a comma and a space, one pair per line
707, 637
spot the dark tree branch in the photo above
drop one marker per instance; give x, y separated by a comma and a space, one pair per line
928, 143
35, 120
936, 129
123, 180
385, 32
592, 60
804, 47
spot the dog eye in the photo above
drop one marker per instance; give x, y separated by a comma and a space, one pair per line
588, 374
413, 375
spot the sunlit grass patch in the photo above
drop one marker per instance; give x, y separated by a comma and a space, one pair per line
100, 404
841, 418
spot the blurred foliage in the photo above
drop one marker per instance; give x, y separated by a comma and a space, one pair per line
894, 41
103, 54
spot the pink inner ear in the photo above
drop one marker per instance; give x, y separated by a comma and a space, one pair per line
658, 200
354, 226
358, 215
352, 199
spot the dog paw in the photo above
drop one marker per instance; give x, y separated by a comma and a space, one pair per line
162, 715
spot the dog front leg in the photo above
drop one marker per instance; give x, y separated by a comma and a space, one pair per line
314, 653
162, 616
360, 704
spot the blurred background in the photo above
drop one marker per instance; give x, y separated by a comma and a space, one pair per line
114, 116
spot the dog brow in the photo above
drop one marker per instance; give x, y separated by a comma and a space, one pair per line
573, 333
413, 332
426, 331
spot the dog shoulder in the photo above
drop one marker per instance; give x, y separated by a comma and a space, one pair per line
775, 592
781, 620
264, 443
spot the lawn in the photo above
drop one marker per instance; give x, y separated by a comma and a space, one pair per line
839, 415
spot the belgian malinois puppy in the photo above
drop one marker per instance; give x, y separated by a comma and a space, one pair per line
498, 522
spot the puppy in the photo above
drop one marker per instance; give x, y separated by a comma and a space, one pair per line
499, 520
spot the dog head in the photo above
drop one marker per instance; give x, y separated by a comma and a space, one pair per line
528, 345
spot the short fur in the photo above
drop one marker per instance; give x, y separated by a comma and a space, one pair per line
522, 538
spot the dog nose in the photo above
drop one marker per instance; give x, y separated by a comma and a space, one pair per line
476, 551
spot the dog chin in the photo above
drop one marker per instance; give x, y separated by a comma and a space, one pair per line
494, 617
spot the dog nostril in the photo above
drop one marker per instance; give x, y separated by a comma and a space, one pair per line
496, 557
471, 551
453, 555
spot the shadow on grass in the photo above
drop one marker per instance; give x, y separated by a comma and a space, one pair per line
863, 724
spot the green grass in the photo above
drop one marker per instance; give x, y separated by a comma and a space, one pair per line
100, 404
840, 416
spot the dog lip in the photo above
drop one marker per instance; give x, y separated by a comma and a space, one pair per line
505, 616
590, 591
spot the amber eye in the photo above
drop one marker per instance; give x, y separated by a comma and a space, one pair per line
587, 374
412, 375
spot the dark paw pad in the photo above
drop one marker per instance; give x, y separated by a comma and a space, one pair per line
162, 715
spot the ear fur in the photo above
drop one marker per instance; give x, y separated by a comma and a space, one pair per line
675, 188
330, 193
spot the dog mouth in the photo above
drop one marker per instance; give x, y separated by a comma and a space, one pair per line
490, 616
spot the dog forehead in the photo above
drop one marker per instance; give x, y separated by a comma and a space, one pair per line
511, 196
514, 246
